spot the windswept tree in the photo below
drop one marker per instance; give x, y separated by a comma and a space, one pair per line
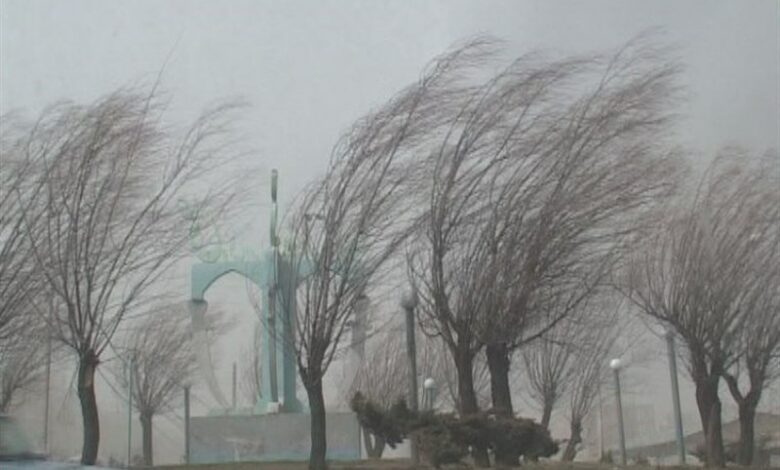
103, 217
599, 342
547, 170
157, 354
701, 275
19, 281
348, 225
548, 366
435, 361
586, 194
567, 364
758, 365
470, 168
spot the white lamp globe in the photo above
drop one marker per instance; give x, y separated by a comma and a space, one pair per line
409, 299
615, 364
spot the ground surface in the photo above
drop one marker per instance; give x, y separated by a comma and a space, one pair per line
397, 465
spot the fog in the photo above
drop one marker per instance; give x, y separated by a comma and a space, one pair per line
307, 70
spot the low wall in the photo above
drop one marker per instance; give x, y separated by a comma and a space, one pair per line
270, 437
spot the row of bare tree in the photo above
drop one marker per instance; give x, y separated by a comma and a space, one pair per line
91, 219
523, 205
518, 202
711, 275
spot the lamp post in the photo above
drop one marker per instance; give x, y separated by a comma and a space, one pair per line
187, 423
429, 393
615, 365
669, 335
409, 302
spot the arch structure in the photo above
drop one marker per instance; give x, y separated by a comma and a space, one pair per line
279, 374
275, 274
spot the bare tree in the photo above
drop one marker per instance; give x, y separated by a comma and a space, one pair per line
596, 345
527, 211
700, 274
548, 368
759, 339
103, 218
450, 262
350, 224
22, 361
159, 355
435, 361
18, 279
578, 215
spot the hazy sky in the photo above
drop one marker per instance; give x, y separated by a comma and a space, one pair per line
309, 69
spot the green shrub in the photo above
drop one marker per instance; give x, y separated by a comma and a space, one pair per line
437, 444
390, 424
446, 438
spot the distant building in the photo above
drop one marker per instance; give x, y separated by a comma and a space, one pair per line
767, 438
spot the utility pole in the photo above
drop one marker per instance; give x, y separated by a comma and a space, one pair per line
234, 386
409, 303
601, 423
130, 375
48, 395
616, 364
187, 424
678, 426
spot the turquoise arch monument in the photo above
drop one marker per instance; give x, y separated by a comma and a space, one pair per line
272, 272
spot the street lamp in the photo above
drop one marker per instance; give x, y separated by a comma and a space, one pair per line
409, 301
669, 335
615, 365
429, 393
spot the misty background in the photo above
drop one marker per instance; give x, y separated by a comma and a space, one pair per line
307, 70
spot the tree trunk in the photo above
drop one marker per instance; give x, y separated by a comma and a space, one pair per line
467, 400
500, 394
375, 445
319, 443
546, 413
709, 405
146, 430
498, 364
747, 405
88, 363
574, 439
747, 418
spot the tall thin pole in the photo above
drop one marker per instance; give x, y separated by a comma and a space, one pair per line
234, 386
411, 350
619, 403
48, 394
187, 424
601, 422
130, 408
678, 426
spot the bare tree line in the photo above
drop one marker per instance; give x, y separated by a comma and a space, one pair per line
530, 198
94, 218
710, 274
512, 201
